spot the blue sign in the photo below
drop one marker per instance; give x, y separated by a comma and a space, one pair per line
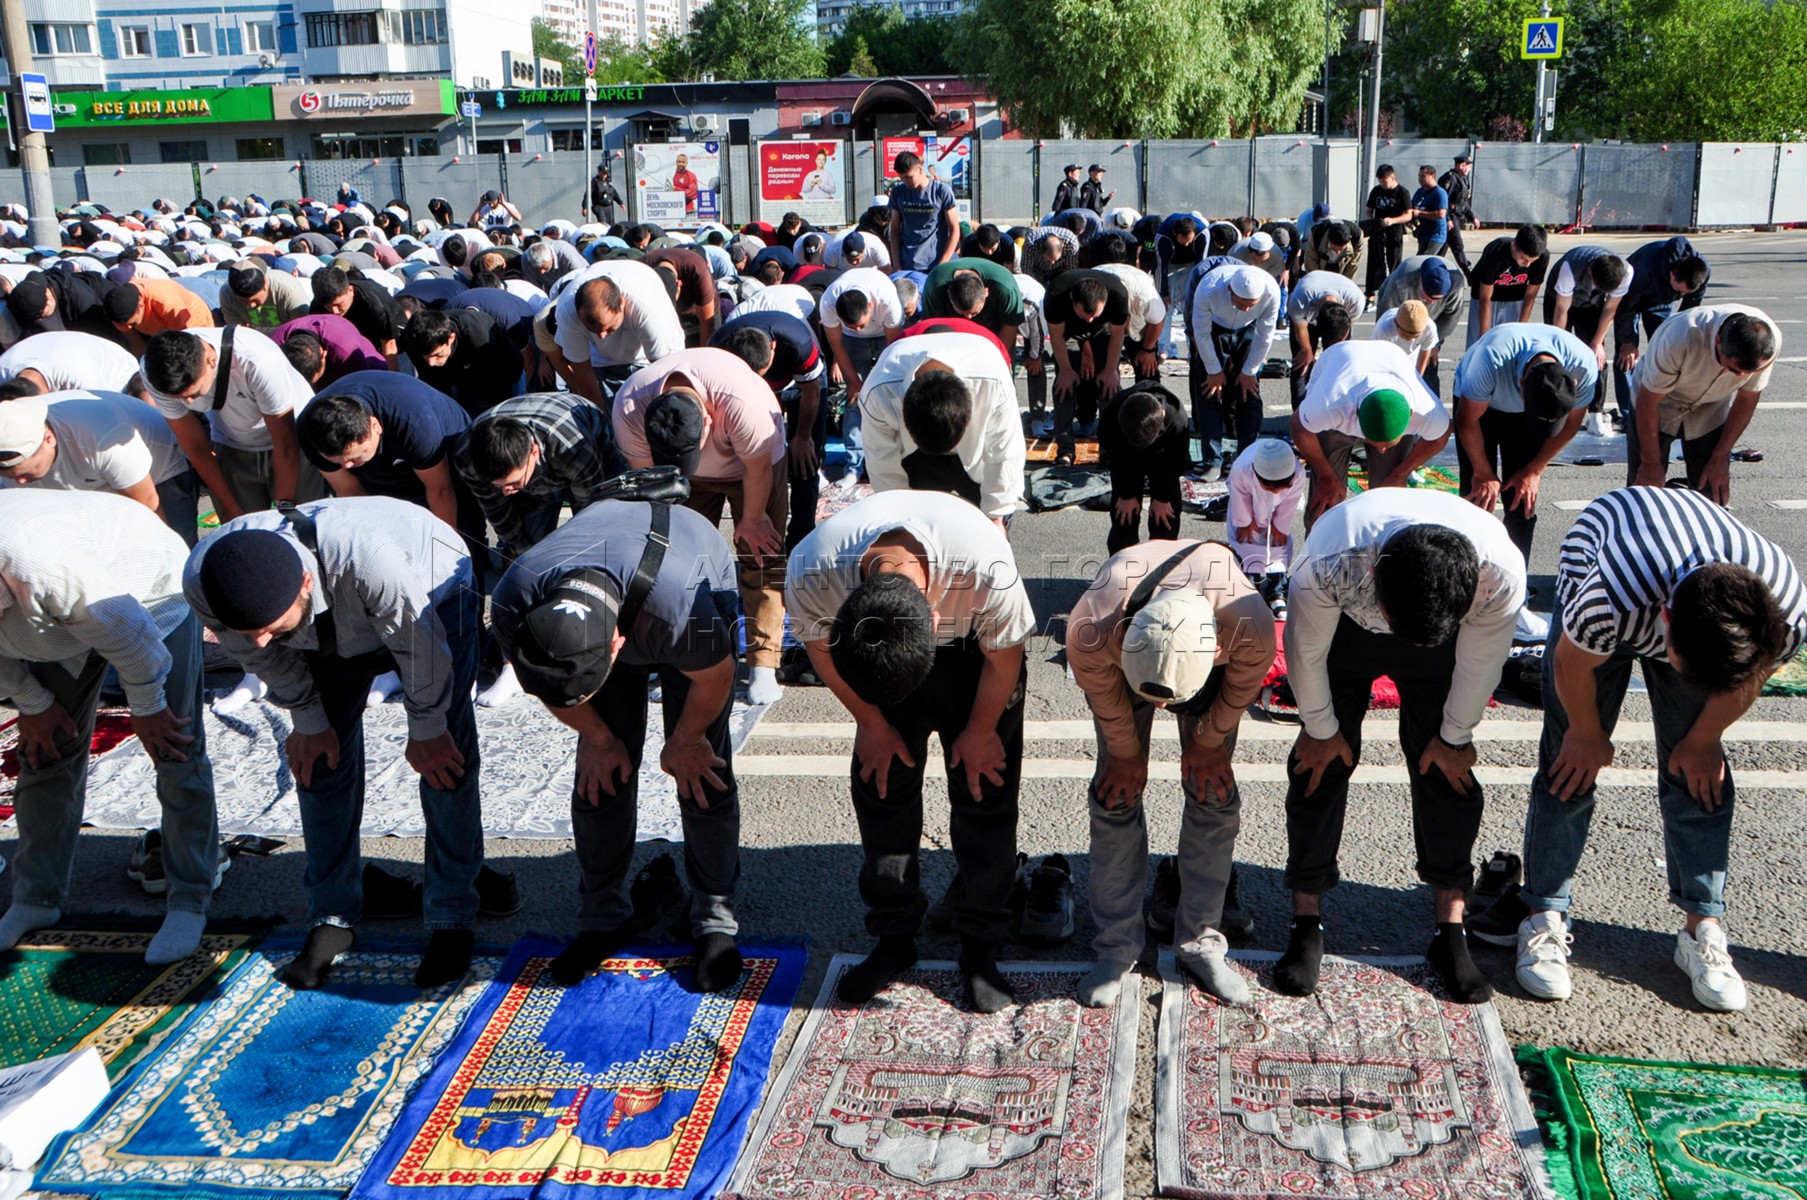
470, 108
39, 116
590, 53
1542, 38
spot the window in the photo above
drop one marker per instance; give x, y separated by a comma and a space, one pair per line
573, 139
326, 30
197, 40
422, 26
183, 152
135, 41
351, 146
260, 37
264, 147
107, 154
56, 39
495, 145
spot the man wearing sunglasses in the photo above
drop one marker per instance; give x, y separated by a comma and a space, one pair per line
1700, 382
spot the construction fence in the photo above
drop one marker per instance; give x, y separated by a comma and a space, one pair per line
1011, 181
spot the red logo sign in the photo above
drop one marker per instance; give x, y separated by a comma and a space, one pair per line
308, 102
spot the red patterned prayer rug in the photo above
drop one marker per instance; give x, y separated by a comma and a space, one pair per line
111, 727
1375, 1088
908, 1096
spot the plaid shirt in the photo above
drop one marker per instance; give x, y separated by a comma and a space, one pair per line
572, 435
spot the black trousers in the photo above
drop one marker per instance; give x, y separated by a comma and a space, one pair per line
1231, 408
1083, 401
1510, 441
1696, 452
1386, 246
806, 486
1125, 534
982, 828
1299, 376
1584, 323
1445, 816
1453, 244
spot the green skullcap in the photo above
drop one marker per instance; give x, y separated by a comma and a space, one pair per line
1385, 415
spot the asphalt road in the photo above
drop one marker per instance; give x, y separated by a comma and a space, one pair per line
801, 846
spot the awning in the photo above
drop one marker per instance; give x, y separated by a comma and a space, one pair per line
894, 95
653, 114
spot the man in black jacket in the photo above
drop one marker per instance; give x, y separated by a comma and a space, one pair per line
57, 300
364, 303
1389, 210
1142, 435
1662, 273
604, 199
466, 354
1458, 181
1066, 192
1092, 194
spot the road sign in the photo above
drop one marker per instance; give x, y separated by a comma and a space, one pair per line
470, 108
590, 53
589, 91
1542, 38
39, 116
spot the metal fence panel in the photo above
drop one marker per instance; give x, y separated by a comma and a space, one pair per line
1212, 177
864, 185
1007, 182
1627, 187
460, 181
1520, 183
273, 181
1406, 155
1283, 177
125, 188
1735, 181
1791, 186
554, 186
1121, 161
378, 180
66, 186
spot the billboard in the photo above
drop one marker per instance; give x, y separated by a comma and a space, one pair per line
678, 183
808, 178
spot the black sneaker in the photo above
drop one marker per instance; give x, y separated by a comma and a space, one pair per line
657, 895
390, 897
1503, 870
1049, 915
1164, 905
497, 894
940, 918
795, 669
1236, 923
1498, 923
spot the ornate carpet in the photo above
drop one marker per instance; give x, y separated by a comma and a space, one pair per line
111, 727
267, 1091
63, 990
528, 761
1373, 1088
1620, 1129
908, 1096
629, 1085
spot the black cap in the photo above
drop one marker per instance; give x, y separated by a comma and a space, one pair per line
1069, 168
566, 643
121, 303
250, 577
674, 430
28, 298
853, 243
1096, 167
1548, 392
1462, 158
492, 194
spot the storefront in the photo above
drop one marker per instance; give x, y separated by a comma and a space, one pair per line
387, 119
186, 125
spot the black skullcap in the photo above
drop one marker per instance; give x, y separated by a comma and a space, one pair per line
565, 645
1548, 391
121, 303
674, 430
250, 577
245, 281
27, 299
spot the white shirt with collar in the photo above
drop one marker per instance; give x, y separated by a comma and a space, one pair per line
887, 309
1347, 372
1214, 303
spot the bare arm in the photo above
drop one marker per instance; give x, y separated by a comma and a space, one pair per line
442, 500
343, 483
191, 432
285, 456
145, 492
1483, 305
583, 381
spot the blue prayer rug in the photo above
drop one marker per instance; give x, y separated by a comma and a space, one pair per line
267, 1091
628, 1085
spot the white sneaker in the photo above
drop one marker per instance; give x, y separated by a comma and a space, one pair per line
1595, 425
1704, 956
1543, 956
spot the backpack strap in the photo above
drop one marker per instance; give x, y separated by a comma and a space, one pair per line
308, 534
222, 375
1138, 599
658, 541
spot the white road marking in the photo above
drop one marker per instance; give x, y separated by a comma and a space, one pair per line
1377, 729
1788, 503
1572, 505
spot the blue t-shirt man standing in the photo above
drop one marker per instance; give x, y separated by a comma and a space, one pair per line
1432, 206
925, 220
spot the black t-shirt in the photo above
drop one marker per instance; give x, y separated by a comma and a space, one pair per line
374, 311
484, 367
1497, 267
1160, 464
1057, 306
794, 350
420, 425
1389, 202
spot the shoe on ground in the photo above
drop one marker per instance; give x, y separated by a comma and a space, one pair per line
1065, 460
145, 866
1543, 956
1706, 959
1278, 605
1048, 918
1164, 904
1236, 923
497, 893
1503, 870
1498, 923
1595, 425
657, 894
388, 896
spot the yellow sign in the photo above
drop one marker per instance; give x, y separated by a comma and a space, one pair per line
140, 109
1542, 38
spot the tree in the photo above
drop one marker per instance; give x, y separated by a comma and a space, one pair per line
751, 39
859, 62
548, 44
1452, 65
894, 45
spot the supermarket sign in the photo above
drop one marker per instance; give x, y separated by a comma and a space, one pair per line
174, 106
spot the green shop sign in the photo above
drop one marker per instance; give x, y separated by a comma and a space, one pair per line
609, 94
176, 106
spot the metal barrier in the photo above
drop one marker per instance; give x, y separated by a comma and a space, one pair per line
545, 186
1527, 183
1790, 189
1737, 183
1638, 185
1283, 177
1212, 177
1007, 181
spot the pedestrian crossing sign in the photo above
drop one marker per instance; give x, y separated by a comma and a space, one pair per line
1543, 38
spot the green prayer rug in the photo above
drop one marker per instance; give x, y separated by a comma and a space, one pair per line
1631, 1130
64, 989
1791, 679
1434, 478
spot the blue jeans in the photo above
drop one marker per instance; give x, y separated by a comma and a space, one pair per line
1650, 318
1696, 843
332, 807
49, 800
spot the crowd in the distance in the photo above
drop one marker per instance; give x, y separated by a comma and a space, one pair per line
389, 414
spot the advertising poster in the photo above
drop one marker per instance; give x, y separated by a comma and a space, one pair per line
808, 178
678, 183
946, 159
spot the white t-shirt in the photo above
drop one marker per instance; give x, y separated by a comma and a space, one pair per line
887, 309
649, 330
780, 297
973, 587
108, 441
1347, 372
876, 254
1145, 304
1387, 330
1565, 280
69, 360
263, 384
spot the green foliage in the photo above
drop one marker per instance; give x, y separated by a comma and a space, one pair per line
616, 61
893, 45
1451, 65
548, 44
750, 39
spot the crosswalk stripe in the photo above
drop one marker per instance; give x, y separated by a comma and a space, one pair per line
835, 766
1375, 729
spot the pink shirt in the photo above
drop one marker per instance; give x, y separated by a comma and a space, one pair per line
744, 418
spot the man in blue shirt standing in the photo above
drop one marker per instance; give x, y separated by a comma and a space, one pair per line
1430, 204
924, 226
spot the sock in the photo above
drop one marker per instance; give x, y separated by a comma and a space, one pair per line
1448, 953
718, 962
1038, 396
447, 958
1296, 974
250, 689
763, 686
324, 945
585, 953
894, 954
505, 688
1215, 975
22, 919
1103, 983
382, 687
177, 938
987, 991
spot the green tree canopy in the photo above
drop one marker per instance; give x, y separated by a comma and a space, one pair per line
750, 39
894, 45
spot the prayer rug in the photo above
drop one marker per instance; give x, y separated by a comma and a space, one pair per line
267, 1091
909, 1096
1435, 478
629, 1085
1619, 1129
1045, 450
111, 727
1373, 1087
834, 499
1791, 680
63, 990
528, 761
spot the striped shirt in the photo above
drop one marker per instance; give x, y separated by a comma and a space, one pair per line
572, 435
1629, 550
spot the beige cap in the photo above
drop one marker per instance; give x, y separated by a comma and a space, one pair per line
21, 429
1170, 647
1411, 318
